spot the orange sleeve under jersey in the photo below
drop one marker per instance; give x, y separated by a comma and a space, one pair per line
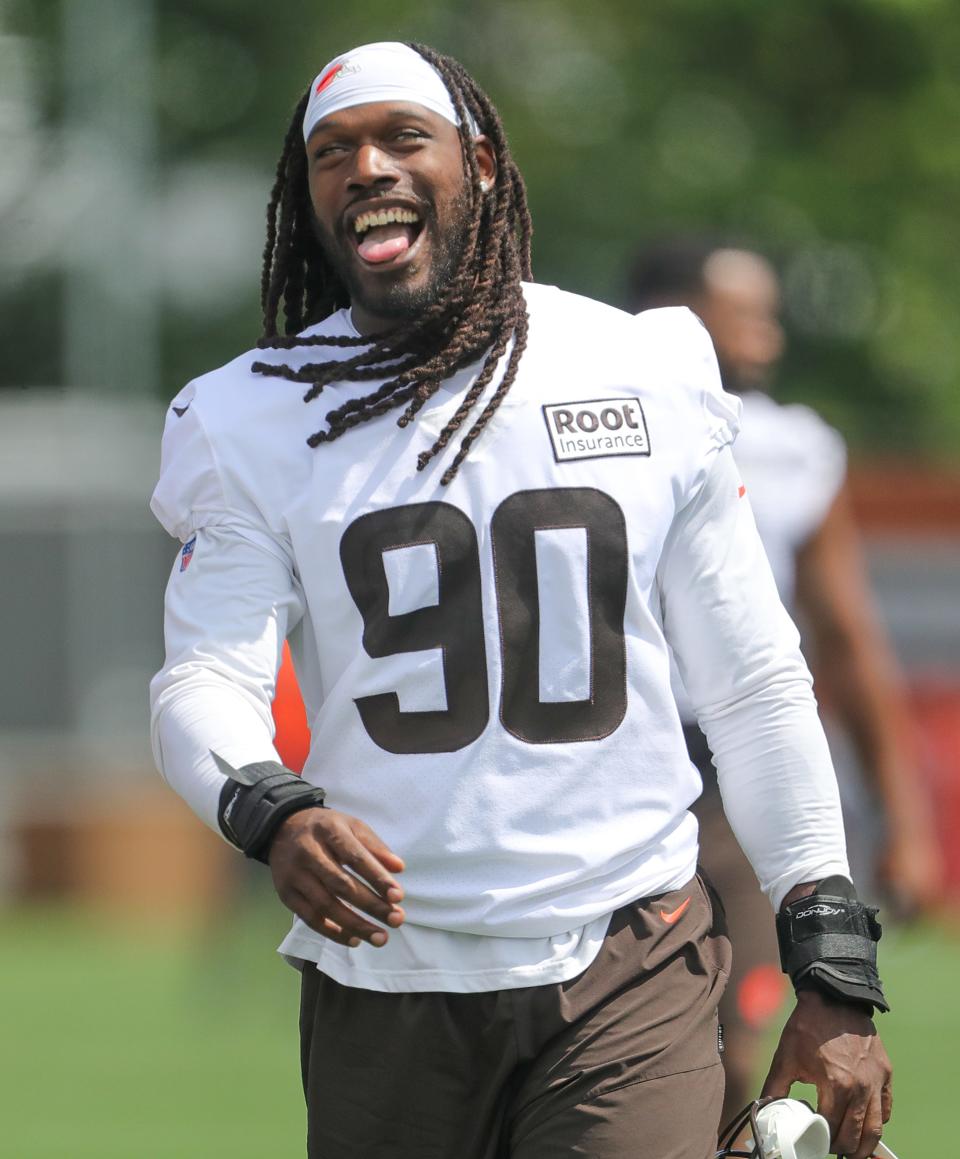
293, 735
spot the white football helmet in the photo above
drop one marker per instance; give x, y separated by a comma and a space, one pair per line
780, 1129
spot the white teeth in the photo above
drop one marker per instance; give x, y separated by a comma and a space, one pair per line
384, 217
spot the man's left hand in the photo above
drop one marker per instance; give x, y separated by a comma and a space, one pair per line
835, 1047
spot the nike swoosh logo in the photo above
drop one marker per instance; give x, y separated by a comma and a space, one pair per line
672, 916
180, 411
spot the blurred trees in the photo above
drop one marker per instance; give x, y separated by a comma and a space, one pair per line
823, 132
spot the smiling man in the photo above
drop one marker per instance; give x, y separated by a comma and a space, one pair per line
398, 248
505, 948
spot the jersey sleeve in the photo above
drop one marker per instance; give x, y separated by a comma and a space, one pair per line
231, 600
738, 653
189, 491
687, 364
720, 411
196, 487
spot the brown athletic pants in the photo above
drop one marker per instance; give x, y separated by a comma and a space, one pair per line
619, 1062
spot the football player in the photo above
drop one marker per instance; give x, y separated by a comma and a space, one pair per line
481, 510
794, 468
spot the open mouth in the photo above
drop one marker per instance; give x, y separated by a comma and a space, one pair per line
382, 235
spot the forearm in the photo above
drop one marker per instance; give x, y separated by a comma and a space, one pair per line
778, 787
225, 623
194, 718
740, 660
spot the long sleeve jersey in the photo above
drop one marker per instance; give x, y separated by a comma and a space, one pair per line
485, 665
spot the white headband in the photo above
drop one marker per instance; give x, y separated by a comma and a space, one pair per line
388, 71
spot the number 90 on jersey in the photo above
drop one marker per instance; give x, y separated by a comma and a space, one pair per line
559, 558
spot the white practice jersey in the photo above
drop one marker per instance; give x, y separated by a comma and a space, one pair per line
485, 666
793, 465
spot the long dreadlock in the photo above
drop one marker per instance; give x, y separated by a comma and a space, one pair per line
475, 316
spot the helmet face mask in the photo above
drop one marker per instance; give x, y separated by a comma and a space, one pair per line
740, 1139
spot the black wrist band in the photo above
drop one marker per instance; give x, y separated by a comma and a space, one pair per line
256, 799
828, 942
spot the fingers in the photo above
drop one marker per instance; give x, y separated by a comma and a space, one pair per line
778, 1082
331, 918
350, 922
835, 1047
302, 906
386, 857
886, 1099
860, 1127
366, 856
856, 1104
339, 882
348, 870
326, 868
306, 909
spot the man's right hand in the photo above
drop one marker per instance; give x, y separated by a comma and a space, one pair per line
327, 866
834, 1047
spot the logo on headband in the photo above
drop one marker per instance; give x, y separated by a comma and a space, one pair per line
342, 68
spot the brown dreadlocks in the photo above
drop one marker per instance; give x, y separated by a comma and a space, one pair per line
476, 316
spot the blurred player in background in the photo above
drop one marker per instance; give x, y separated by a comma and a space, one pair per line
478, 543
794, 467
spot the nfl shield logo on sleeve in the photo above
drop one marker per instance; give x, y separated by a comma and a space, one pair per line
187, 553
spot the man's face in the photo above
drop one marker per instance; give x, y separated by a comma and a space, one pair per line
741, 309
388, 188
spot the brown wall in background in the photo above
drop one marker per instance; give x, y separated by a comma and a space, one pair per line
897, 497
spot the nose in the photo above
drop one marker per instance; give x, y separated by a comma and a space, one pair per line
372, 167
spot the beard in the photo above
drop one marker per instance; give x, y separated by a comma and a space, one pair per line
398, 300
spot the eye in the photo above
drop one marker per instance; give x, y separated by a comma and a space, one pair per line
409, 136
325, 152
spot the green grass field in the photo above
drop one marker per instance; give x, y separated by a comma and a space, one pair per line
145, 1043
122, 1043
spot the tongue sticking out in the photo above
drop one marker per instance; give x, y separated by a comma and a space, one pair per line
382, 243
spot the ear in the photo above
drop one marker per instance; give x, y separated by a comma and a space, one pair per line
486, 162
